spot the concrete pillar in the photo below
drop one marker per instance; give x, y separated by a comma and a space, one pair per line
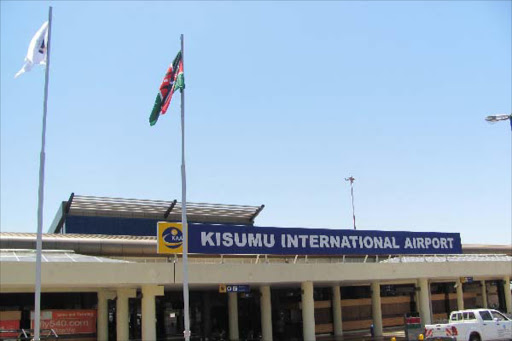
484, 294
336, 310
103, 297
376, 309
417, 297
460, 295
266, 313
147, 307
122, 313
508, 296
233, 315
308, 312
424, 301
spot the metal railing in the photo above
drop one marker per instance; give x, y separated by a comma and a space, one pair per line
305, 259
27, 334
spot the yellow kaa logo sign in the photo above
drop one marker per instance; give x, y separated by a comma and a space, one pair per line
169, 237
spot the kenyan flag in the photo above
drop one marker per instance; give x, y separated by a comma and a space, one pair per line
173, 80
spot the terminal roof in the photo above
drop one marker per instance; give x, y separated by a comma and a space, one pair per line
155, 209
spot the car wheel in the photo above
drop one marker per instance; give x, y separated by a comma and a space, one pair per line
474, 337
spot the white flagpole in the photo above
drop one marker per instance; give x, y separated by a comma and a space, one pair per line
186, 332
37, 308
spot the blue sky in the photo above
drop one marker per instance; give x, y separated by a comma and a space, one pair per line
283, 101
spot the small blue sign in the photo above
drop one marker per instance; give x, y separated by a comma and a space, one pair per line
238, 288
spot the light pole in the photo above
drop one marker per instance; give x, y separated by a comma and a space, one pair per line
351, 179
500, 117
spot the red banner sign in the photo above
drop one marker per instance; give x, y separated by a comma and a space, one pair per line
9, 325
68, 321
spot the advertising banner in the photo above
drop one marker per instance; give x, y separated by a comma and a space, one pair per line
67, 321
12, 326
9, 320
229, 239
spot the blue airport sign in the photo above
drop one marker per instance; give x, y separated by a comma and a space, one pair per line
228, 239
243, 239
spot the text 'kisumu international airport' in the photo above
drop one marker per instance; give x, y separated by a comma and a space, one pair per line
112, 270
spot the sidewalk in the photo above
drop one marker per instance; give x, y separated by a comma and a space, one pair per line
363, 335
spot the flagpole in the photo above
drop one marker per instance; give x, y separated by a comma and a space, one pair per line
186, 332
39, 244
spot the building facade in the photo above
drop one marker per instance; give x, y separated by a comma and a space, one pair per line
100, 256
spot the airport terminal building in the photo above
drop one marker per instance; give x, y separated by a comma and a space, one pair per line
108, 273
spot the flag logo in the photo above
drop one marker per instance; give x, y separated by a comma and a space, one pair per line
170, 237
173, 79
37, 50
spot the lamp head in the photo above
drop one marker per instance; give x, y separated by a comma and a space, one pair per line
497, 118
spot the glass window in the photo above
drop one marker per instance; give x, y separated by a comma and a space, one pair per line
459, 316
453, 317
485, 315
498, 316
469, 316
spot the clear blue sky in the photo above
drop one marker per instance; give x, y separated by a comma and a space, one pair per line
283, 101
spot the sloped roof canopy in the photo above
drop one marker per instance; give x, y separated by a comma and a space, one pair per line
82, 205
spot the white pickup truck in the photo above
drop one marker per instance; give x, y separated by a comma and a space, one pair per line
472, 325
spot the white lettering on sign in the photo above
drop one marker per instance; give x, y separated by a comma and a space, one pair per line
321, 241
229, 239
428, 243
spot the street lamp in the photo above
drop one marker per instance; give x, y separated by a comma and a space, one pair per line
351, 179
501, 117
497, 118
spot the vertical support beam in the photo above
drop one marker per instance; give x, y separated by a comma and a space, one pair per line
508, 296
485, 304
103, 297
102, 323
417, 298
460, 295
376, 309
148, 309
424, 301
336, 310
308, 312
266, 313
233, 316
122, 313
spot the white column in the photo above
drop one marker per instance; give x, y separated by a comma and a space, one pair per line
266, 313
484, 294
122, 313
508, 296
233, 315
336, 310
308, 312
424, 301
103, 297
460, 295
376, 309
148, 310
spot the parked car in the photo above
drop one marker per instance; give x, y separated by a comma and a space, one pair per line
472, 325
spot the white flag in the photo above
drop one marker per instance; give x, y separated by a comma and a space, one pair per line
36, 50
